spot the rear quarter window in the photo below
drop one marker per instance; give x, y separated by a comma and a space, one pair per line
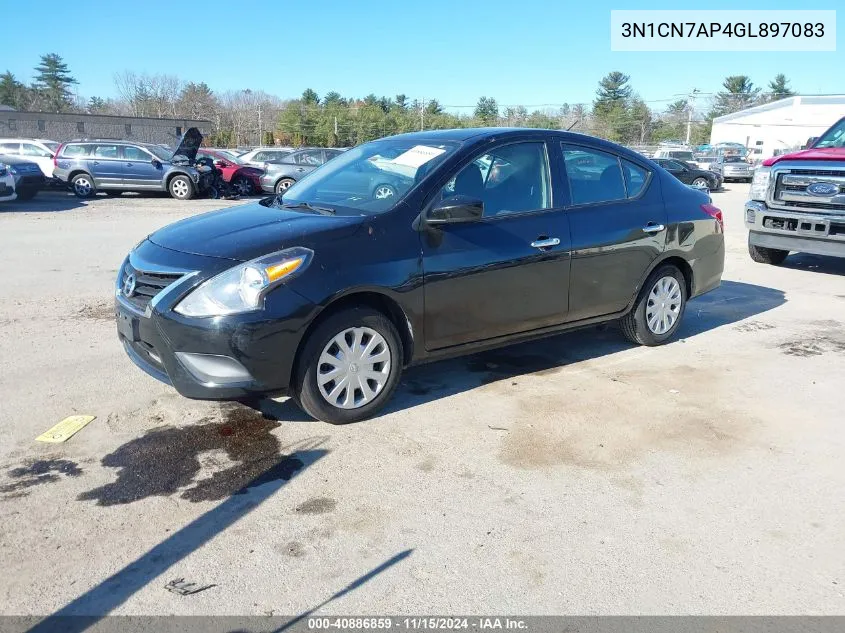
73, 151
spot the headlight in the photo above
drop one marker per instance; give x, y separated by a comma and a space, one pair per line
760, 183
242, 288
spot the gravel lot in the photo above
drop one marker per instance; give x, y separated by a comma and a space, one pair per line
576, 475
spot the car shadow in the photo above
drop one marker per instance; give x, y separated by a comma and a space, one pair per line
730, 303
815, 263
47, 201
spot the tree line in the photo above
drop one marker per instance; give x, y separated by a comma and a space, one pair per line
248, 117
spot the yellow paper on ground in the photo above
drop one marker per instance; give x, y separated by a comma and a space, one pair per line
65, 429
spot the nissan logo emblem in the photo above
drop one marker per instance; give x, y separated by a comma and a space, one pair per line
129, 285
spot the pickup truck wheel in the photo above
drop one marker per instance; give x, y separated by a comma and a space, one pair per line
349, 367
83, 186
659, 308
284, 184
763, 255
181, 188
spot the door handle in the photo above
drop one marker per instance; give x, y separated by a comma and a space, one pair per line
653, 228
96, 162
300, 169
547, 242
129, 164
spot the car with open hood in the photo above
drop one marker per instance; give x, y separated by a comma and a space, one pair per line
92, 165
243, 178
327, 292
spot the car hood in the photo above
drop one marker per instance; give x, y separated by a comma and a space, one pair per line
189, 144
821, 153
245, 232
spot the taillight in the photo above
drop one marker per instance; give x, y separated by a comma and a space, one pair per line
56, 155
716, 213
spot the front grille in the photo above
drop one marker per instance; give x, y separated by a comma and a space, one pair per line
794, 190
147, 285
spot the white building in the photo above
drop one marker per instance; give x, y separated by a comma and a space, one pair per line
779, 125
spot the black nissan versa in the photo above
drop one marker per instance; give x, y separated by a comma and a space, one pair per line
497, 235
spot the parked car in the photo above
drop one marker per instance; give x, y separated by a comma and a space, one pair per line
327, 296
116, 166
674, 153
691, 175
36, 150
733, 167
244, 179
260, 155
278, 176
28, 179
7, 182
797, 201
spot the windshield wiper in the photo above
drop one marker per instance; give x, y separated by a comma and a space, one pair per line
309, 206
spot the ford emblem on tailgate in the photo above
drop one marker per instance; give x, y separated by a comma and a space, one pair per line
823, 189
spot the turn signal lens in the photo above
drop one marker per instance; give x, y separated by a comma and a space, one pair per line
285, 268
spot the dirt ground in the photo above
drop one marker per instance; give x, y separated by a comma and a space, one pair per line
579, 474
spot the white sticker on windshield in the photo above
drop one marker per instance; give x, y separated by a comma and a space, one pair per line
417, 156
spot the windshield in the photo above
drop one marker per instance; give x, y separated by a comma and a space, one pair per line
159, 152
53, 146
734, 159
370, 178
834, 137
681, 155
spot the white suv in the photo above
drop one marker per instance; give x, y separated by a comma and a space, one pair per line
36, 150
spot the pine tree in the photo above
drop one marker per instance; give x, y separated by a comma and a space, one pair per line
52, 83
487, 110
12, 92
739, 94
779, 88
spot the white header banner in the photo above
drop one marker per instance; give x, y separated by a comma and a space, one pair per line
706, 30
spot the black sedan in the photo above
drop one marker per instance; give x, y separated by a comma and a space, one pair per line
690, 174
492, 236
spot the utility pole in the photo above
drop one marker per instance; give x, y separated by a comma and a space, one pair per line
335, 126
690, 108
260, 135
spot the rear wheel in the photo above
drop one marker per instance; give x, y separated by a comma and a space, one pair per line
83, 186
284, 184
384, 192
349, 367
242, 186
763, 255
659, 308
181, 188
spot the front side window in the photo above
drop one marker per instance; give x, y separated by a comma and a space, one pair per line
512, 178
135, 153
28, 149
105, 151
593, 175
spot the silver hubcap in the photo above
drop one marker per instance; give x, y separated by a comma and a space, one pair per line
353, 368
283, 185
664, 305
699, 182
82, 186
243, 187
180, 188
383, 193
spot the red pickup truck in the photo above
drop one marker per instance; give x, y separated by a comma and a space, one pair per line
797, 201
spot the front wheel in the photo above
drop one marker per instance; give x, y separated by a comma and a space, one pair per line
763, 255
701, 183
349, 367
658, 310
181, 188
384, 192
284, 184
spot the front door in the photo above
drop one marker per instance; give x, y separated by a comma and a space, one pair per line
139, 172
618, 226
507, 272
106, 166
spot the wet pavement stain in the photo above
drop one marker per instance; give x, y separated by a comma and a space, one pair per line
176, 460
38, 472
317, 505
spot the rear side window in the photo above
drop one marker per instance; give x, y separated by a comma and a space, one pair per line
10, 149
261, 156
71, 151
28, 149
594, 176
310, 158
636, 178
105, 151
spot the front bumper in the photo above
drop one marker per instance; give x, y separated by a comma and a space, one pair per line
737, 174
216, 358
25, 182
815, 233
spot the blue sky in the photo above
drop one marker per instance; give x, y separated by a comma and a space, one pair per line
519, 52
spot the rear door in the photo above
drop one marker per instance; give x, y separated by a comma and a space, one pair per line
138, 169
106, 166
618, 227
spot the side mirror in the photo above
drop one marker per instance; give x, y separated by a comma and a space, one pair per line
156, 163
220, 163
811, 141
456, 209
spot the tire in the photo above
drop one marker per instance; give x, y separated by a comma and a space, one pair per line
700, 182
306, 390
668, 283
26, 194
83, 186
181, 188
284, 184
384, 192
763, 255
242, 186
